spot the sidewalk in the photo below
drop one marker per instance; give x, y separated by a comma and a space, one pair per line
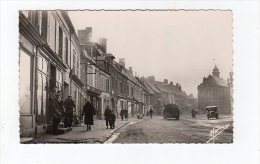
98, 133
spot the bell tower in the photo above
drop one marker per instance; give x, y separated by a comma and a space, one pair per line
215, 71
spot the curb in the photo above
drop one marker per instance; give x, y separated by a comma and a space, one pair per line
111, 137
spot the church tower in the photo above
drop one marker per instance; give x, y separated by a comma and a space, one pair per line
215, 71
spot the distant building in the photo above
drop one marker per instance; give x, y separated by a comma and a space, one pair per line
214, 91
165, 93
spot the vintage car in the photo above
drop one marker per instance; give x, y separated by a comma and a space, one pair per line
212, 112
171, 111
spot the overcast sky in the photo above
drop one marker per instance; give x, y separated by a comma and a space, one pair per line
181, 46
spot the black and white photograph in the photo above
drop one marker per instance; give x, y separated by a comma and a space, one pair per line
139, 82
125, 76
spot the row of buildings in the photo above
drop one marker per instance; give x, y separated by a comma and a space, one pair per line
53, 55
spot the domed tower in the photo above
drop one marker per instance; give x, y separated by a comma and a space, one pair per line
215, 71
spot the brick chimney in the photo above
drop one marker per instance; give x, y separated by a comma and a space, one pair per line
131, 70
165, 81
85, 35
122, 62
151, 78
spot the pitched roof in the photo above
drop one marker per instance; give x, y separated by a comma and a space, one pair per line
169, 88
152, 86
130, 76
214, 80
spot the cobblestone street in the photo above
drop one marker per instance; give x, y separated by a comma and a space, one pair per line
186, 130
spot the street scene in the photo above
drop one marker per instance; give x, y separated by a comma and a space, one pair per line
125, 77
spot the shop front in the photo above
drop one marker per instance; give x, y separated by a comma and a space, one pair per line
93, 95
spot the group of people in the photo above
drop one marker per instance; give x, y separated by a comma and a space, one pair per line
110, 118
60, 110
64, 110
124, 114
150, 112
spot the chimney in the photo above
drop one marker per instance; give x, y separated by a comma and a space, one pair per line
122, 62
131, 70
165, 81
151, 78
102, 42
85, 35
171, 83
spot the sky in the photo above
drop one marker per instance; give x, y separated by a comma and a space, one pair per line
181, 46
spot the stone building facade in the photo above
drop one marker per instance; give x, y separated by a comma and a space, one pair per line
214, 91
49, 58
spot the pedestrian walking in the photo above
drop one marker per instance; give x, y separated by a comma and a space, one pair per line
193, 114
126, 114
122, 114
57, 111
112, 120
151, 112
69, 104
107, 115
88, 113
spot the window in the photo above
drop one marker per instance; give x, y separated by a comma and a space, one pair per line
42, 65
51, 32
74, 60
66, 51
25, 83
59, 80
60, 42
78, 70
90, 76
107, 85
44, 24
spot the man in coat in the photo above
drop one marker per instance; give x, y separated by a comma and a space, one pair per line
69, 104
88, 113
57, 105
112, 120
151, 112
107, 115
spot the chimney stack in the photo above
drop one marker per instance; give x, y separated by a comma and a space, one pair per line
131, 70
171, 83
151, 78
85, 36
122, 62
102, 42
165, 81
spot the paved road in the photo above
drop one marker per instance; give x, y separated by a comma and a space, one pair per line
159, 130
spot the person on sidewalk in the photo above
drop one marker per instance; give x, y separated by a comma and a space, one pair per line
69, 104
112, 120
126, 114
88, 113
107, 115
151, 112
193, 114
57, 105
122, 114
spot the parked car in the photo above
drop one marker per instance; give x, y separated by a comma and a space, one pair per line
212, 112
171, 111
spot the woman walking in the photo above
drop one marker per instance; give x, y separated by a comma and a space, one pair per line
88, 112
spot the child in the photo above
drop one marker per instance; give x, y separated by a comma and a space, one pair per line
112, 120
